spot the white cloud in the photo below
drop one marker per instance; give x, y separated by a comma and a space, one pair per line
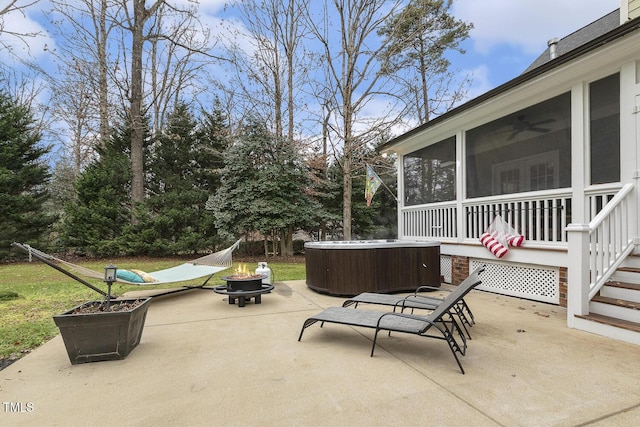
24, 35
527, 25
210, 7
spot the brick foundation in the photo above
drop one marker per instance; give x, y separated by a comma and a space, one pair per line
459, 269
562, 287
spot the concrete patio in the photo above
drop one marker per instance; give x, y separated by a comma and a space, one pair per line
204, 362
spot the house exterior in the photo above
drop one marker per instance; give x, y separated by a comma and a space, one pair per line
556, 153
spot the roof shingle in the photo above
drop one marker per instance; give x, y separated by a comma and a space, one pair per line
580, 37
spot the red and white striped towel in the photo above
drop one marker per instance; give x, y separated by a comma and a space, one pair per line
491, 243
515, 240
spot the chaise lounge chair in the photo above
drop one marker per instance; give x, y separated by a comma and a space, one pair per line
413, 302
441, 319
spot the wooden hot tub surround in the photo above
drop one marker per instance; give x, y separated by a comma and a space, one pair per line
348, 268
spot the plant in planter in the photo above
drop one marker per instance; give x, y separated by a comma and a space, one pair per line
102, 330
98, 330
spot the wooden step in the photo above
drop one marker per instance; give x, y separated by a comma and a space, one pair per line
617, 301
629, 269
623, 285
606, 320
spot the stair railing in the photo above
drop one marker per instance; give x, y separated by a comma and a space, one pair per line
597, 249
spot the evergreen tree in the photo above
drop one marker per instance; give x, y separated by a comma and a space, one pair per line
232, 204
419, 37
378, 221
209, 156
263, 187
182, 174
284, 198
24, 175
327, 192
364, 217
94, 222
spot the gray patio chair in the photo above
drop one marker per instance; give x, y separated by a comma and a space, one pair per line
415, 301
439, 324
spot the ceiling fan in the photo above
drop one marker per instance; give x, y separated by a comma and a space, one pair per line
522, 125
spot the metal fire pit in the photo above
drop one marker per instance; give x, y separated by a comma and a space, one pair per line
243, 289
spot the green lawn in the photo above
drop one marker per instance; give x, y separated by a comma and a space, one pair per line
32, 292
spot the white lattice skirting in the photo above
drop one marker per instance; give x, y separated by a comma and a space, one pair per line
523, 281
446, 268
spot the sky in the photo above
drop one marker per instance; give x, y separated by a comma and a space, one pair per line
508, 35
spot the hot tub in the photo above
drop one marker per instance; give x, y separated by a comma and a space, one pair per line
347, 268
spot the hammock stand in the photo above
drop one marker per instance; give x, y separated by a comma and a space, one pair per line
205, 266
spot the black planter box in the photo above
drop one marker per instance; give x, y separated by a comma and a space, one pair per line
94, 337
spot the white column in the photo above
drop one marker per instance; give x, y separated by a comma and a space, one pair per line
461, 192
578, 237
578, 280
579, 150
630, 136
400, 187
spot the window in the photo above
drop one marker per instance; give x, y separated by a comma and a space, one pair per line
604, 116
532, 173
528, 150
542, 176
430, 173
509, 181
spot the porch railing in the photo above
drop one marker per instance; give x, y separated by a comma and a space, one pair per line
538, 217
542, 217
438, 220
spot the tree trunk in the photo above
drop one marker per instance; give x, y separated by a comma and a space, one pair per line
137, 132
103, 85
346, 199
424, 86
286, 244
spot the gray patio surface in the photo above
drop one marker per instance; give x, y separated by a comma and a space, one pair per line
204, 362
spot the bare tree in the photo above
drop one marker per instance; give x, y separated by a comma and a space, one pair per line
175, 62
136, 23
145, 24
276, 67
84, 97
27, 90
77, 115
10, 9
127, 54
353, 60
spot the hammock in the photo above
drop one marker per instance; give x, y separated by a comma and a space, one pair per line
207, 265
